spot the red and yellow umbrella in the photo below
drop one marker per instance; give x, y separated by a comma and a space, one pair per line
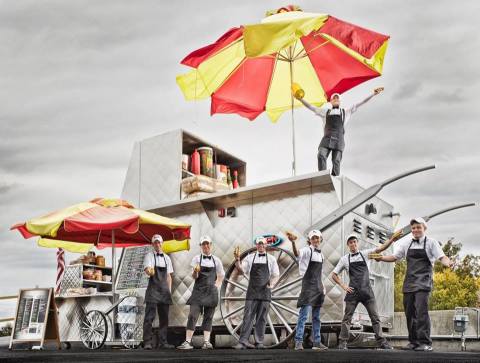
250, 69
82, 226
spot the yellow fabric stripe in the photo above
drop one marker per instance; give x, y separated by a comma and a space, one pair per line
152, 218
271, 37
212, 73
74, 247
279, 96
375, 63
175, 246
48, 225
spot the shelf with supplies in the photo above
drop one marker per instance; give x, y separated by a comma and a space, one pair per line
97, 267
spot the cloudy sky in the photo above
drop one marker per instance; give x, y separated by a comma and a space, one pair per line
81, 81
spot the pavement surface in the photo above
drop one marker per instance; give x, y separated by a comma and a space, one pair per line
229, 355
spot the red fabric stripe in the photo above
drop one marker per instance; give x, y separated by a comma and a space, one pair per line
245, 91
363, 41
21, 227
198, 56
336, 70
101, 218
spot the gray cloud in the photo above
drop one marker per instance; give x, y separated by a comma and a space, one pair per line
81, 81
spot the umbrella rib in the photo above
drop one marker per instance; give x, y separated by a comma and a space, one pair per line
143, 235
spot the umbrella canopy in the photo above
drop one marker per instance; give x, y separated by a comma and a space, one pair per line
79, 227
250, 69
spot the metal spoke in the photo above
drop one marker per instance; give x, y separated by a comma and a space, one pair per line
233, 312
282, 318
279, 255
286, 308
289, 267
240, 286
285, 297
237, 327
288, 284
234, 298
272, 329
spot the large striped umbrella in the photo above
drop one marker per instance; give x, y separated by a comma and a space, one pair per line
104, 223
250, 69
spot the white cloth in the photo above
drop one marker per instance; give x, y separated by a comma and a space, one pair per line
272, 264
344, 265
432, 247
322, 111
149, 261
209, 263
304, 258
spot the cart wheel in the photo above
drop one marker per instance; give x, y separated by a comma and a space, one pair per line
283, 314
130, 336
67, 345
94, 330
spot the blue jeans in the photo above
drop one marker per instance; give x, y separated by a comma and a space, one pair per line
302, 319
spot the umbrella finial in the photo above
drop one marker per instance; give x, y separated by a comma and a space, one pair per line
284, 9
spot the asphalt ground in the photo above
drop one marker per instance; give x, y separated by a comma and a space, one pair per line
229, 355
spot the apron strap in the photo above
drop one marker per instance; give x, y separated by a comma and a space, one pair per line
201, 258
425, 243
363, 258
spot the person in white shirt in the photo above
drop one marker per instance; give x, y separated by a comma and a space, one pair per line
421, 253
334, 120
311, 298
356, 263
208, 274
262, 272
158, 297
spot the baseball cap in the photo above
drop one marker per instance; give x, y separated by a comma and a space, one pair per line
352, 236
419, 220
260, 240
314, 232
205, 238
157, 237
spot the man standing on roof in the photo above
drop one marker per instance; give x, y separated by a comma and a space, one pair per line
334, 120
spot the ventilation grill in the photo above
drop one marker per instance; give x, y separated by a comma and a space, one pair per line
370, 233
357, 226
382, 237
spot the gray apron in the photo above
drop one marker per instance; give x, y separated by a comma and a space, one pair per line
419, 270
312, 285
359, 281
259, 279
333, 133
205, 293
157, 289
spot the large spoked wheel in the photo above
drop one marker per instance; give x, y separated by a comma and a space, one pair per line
94, 329
283, 313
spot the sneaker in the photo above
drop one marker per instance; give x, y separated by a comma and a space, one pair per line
319, 346
185, 346
166, 346
298, 346
207, 345
385, 346
410, 346
259, 346
342, 345
147, 346
423, 348
240, 346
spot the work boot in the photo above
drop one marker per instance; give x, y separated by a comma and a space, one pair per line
342, 345
207, 345
410, 346
385, 346
423, 348
259, 346
298, 346
319, 346
185, 346
240, 346
147, 346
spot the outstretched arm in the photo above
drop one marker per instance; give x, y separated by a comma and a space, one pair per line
387, 244
320, 111
354, 108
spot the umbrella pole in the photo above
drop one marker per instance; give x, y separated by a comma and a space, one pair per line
114, 273
294, 169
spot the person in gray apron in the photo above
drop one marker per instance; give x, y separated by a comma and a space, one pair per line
359, 290
312, 295
208, 273
421, 253
334, 119
158, 297
262, 272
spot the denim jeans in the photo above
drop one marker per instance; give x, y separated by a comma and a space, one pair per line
302, 319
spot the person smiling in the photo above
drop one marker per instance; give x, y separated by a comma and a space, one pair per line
421, 252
